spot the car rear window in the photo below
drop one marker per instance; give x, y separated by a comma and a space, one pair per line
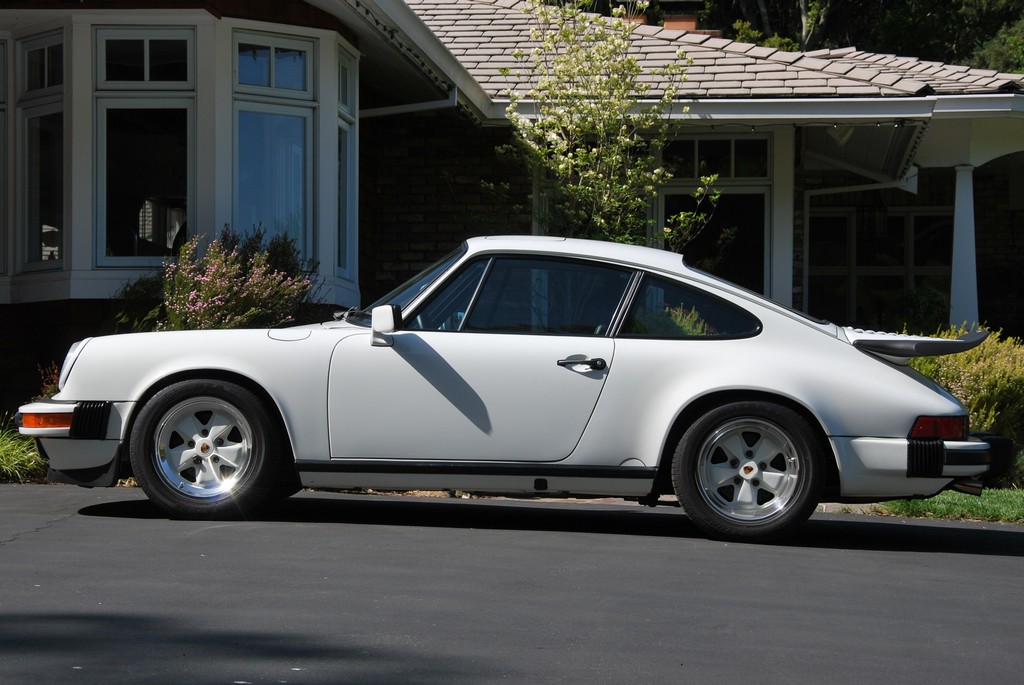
668, 309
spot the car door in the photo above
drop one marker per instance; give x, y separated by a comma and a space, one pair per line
506, 362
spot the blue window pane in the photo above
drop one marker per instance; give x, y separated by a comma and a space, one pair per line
271, 174
253, 65
343, 200
290, 69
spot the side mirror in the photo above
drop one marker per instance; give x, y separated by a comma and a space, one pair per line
384, 320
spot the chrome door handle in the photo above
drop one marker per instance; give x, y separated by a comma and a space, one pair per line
596, 364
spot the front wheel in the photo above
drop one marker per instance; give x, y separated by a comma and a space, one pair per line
206, 448
749, 471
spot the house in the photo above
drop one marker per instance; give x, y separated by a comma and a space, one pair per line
366, 131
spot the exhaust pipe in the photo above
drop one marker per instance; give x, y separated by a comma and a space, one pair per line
970, 487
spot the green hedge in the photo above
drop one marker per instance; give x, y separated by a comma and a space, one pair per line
989, 380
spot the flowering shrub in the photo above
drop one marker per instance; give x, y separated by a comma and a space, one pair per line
989, 380
232, 285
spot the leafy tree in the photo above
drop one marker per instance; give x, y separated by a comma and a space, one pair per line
590, 145
985, 33
950, 31
1005, 52
790, 25
745, 33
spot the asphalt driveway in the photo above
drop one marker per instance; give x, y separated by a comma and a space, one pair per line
97, 587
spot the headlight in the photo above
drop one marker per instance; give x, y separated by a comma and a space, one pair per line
69, 361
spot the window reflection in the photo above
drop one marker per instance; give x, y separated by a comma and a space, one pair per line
254, 65
147, 173
271, 173
44, 157
665, 309
289, 69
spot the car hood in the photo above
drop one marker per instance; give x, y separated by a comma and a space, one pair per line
899, 347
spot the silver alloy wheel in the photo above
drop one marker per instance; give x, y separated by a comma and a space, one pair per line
203, 447
748, 470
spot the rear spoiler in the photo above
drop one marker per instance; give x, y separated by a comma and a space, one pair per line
895, 345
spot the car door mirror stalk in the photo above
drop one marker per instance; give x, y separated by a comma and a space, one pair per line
385, 320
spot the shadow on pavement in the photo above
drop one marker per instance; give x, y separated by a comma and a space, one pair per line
97, 647
840, 531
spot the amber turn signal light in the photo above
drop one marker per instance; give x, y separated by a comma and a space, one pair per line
60, 420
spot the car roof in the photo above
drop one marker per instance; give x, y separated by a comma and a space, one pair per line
635, 255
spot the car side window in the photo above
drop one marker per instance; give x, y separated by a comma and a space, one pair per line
547, 296
447, 308
667, 309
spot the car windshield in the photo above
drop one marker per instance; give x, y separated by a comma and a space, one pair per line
407, 292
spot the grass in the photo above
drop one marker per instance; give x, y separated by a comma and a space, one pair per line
999, 506
19, 459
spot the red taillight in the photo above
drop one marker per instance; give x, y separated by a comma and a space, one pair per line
940, 428
60, 420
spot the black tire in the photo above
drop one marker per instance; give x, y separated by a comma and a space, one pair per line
207, 449
749, 471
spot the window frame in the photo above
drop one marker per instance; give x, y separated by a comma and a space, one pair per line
724, 177
636, 296
346, 229
42, 41
31, 104
275, 41
3, 159
908, 271
492, 263
101, 34
305, 246
27, 263
102, 106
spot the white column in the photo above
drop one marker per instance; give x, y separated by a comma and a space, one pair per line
963, 299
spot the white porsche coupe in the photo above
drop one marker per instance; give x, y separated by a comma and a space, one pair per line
526, 365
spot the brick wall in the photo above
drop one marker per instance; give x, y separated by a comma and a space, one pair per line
999, 217
422, 192
38, 335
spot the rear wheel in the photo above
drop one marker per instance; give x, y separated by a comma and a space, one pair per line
206, 448
749, 471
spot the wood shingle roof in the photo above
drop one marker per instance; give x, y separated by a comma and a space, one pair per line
483, 36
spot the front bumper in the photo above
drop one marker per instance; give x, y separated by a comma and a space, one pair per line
82, 442
890, 468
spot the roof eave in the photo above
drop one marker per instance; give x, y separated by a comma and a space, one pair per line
980, 106
778, 111
432, 50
